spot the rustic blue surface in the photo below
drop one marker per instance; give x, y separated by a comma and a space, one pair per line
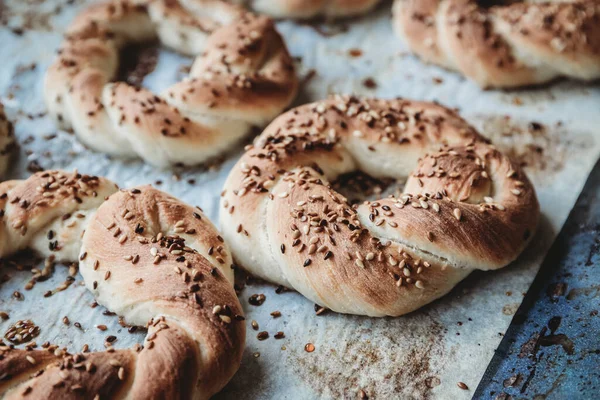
552, 348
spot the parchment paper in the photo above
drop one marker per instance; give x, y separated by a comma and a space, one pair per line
422, 355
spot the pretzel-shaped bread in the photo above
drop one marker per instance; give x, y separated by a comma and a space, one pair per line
509, 45
243, 76
466, 206
146, 256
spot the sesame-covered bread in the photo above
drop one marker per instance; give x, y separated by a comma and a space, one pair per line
465, 205
7, 141
302, 9
243, 77
505, 45
146, 256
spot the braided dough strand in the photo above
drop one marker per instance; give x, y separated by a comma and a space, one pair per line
146, 256
521, 43
466, 206
243, 76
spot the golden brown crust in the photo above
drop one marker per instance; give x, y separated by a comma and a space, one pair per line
243, 76
302, 9
517, 44
466, 205
146, 256
7, 141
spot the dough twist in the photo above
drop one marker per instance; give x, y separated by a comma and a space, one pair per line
146, 256
515, 44
466, 206
243, 76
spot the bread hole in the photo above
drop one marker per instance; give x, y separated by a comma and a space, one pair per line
150, 65
358, 186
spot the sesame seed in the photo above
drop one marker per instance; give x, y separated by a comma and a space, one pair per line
457, 214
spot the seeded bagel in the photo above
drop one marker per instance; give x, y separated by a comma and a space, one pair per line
148, 257
507, 45
465, 205
243, 76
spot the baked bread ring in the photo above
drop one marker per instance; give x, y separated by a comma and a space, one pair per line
515, 44
146, 256
243, 76
466, 206
7, 141
302, 9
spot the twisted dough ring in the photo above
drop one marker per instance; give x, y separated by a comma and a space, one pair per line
242, 77
7, 140
522, 43
466, 206
311, 8
144, 255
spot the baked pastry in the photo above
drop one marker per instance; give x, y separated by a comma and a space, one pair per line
243, 76
146, 256
507, 45
302, 9
7, 141
465, 205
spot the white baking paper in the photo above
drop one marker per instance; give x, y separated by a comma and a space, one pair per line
421, 355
